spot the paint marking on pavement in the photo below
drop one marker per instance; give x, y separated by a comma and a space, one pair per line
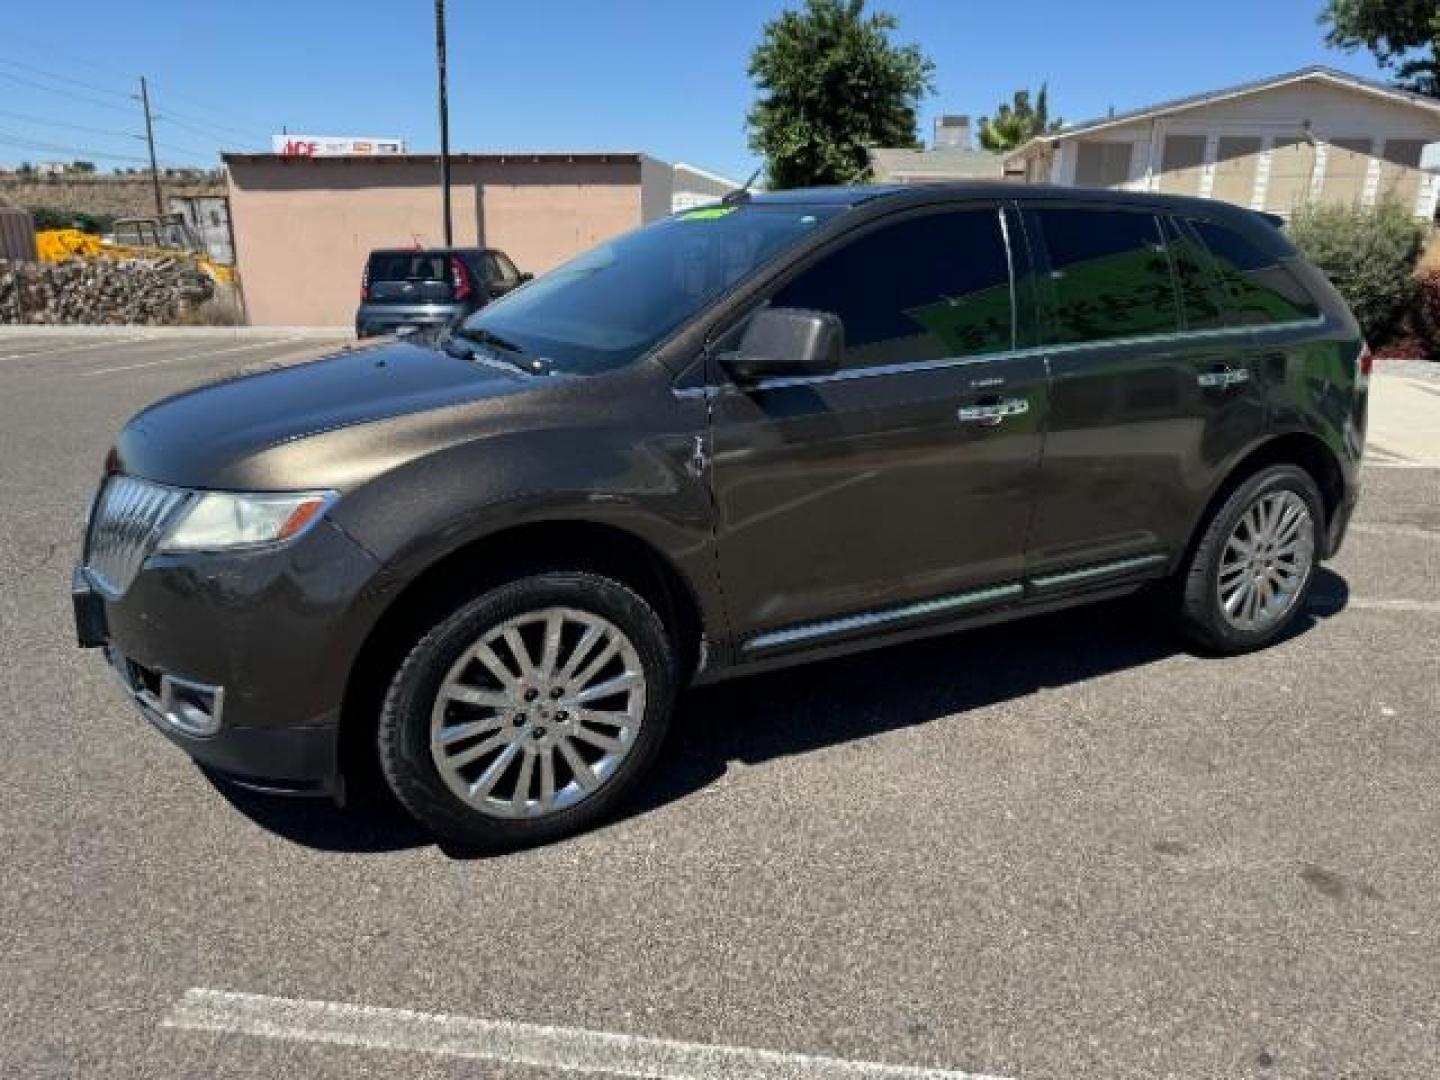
191, 356
1414, 532
108, 343
1378, 458
571, 1049
1365, 603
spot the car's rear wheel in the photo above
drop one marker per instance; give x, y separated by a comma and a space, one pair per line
530, 711
1251, 573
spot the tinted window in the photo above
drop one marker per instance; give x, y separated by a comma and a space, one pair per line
1257, 287
924, 289
1200, 297
408, 266
613, 303
501, 268
1109, 274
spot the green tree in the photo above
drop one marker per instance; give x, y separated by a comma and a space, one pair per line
1403, 35
1016, 124
82, 167
832, 83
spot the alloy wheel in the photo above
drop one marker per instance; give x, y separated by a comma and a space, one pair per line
1267, 560
538, 713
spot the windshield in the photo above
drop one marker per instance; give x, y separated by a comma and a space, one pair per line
608, 306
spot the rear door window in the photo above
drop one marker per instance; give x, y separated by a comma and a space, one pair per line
1258, 288
1109, 275
926, 288
1201, 300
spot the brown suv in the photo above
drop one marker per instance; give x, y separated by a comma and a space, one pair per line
754, 434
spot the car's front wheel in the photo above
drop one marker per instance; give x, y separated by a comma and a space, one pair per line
1251, 572
530, 711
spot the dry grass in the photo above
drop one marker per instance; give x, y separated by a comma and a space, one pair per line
1430, 257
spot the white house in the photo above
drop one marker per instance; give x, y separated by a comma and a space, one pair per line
1311, 135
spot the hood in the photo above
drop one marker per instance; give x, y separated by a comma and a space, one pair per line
205, 437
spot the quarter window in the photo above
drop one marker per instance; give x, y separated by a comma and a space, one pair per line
1257, 287
502, 268
1109, 275
924, 289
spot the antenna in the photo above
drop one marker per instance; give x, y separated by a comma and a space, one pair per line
742, 193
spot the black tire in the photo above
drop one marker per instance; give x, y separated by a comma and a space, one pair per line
1201, 618
405, 717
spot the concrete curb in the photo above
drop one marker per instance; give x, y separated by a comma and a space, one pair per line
239, 333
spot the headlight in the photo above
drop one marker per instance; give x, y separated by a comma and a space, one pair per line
214, 520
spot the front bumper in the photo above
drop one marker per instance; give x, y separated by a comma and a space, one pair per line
242, 660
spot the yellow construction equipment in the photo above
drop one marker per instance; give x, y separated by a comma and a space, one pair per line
159, 239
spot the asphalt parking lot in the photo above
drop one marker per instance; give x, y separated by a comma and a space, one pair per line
1059, 849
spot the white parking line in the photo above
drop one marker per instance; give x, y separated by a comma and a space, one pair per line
1365, 603
572, 1049
190, 356
1414, 532
108, 343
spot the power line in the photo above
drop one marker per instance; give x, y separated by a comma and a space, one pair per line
169, 118
220, 131
71, 127
73, 57
186, 151
65, 93
243, 132
62, 78
9, 138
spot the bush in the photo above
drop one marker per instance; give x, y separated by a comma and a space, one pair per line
1427, 313
47, 217
1370, 255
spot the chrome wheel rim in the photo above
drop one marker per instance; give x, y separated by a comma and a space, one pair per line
538, 713
1267, 560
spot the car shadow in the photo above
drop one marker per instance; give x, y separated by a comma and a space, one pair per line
803, 709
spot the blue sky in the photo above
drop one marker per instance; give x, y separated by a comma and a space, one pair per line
666, 77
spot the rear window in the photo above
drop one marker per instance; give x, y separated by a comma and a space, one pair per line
409, 266
1258, 288
1109, 275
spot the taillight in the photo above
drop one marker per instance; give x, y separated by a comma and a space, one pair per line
365, 283
459, 281
1364, 365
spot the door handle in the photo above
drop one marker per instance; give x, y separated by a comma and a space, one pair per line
1223, 377
992, 415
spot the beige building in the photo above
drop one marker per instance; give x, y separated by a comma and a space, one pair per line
1316, 134
304, 226
951, 156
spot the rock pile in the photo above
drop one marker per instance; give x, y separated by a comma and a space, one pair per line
148, 292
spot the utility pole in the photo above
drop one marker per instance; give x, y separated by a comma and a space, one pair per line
444, 121
150, 141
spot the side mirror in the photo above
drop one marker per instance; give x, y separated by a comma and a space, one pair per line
788, 341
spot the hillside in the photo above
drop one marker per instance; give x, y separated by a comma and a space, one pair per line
115, 196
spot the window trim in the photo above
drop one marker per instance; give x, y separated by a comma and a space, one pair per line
1177, 229
783, 278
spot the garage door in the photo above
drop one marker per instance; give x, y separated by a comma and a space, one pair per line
1346, 167
1181, 164
1103, 164
1236, 159
1292, 165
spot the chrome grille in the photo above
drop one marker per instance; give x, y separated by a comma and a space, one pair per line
127, 518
